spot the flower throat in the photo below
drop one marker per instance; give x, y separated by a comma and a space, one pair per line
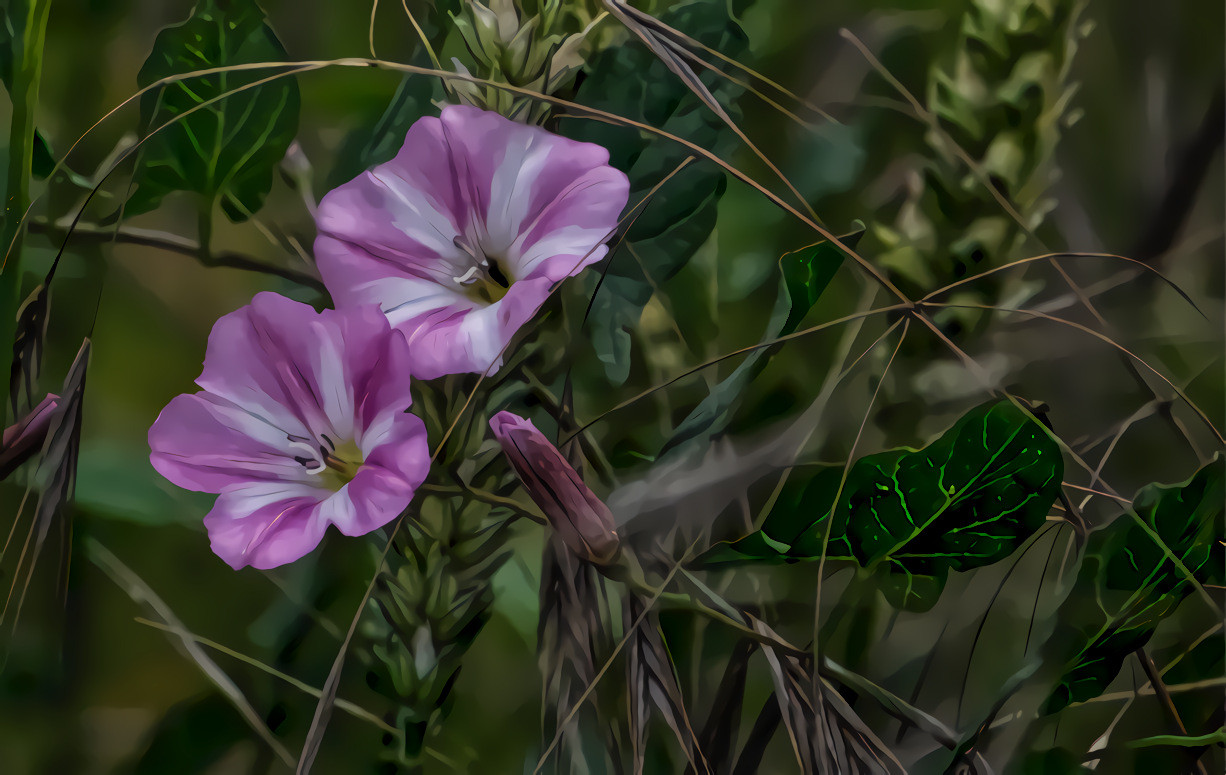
487, 279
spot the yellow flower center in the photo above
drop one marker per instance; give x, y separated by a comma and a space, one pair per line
334, 464
341, 464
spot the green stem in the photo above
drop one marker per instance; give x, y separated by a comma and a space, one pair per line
204, 229
27, 71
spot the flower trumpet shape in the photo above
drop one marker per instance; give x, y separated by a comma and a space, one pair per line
301, 424
460, 237
581, 519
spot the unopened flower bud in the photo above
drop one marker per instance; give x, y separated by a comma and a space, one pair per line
25, 437
582, 520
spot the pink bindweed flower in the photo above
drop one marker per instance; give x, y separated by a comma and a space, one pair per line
460, 237
581, 519
301, 424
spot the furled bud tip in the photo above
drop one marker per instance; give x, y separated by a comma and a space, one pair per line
582, 520
25, 437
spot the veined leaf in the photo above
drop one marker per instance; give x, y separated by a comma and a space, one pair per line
968, 499
229, 149
1128, 583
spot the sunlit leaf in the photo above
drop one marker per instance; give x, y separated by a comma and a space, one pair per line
968, 499
228, 149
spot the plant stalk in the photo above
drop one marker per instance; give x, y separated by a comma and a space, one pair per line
27, 69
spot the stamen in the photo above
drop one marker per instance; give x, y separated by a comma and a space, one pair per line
315, 460
467, 276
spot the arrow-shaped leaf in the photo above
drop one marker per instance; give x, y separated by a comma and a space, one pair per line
968, 499
229, 149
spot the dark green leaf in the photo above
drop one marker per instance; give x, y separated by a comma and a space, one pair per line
630, 81
1129, 581
229, 149
966, 500
804, 275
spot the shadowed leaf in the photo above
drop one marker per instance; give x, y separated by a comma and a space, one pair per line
1128, 583
718, 736
631, 81
191, 738
804, 275
228, 150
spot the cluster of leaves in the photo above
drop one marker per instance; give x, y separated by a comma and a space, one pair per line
220, 135
633, 83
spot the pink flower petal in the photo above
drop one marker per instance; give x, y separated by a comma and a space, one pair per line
266, 524
205, 443
468, 186
302, 424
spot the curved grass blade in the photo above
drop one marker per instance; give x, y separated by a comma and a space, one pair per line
143, 594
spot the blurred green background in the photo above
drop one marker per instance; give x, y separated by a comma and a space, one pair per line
87, 689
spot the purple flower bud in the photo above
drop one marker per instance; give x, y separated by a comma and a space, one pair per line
582, 520
25, 437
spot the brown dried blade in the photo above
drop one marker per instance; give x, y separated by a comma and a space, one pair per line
851, 747
652, 683
662, 40
28, 346
795, 708
724, 719
570, 635
59, 467
827, 736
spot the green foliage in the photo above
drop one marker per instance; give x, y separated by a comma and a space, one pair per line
524, 44
1136, 571
376, 142
804, 275
228, 149
968, 499
631, 82
433, 602
1002, 95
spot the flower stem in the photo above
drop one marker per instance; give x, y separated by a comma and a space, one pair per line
27, 71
